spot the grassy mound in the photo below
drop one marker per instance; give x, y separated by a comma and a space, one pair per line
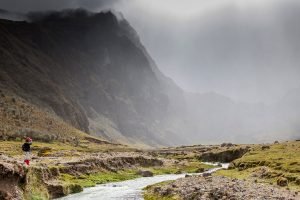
270, 164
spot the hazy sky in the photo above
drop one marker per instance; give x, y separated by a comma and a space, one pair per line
245, 49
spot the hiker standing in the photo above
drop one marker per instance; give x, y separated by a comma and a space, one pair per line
26, 149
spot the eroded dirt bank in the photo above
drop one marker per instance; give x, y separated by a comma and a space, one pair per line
54, 179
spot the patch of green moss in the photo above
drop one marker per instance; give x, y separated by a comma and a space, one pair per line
233, 173
189, 167
99, 178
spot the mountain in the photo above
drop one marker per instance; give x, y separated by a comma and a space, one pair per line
4, 14
75, 73
90, 71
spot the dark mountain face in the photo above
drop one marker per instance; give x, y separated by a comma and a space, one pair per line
91, 71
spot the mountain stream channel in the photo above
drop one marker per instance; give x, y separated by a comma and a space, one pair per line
127, 190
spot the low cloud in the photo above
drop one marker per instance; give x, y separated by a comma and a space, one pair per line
247, 50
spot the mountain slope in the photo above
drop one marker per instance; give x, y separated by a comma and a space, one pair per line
90, 74
91, 71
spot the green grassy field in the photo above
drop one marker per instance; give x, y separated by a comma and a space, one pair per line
268, 163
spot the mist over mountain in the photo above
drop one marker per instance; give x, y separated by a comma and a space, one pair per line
95, 93
246, 50
219, 118
91, 71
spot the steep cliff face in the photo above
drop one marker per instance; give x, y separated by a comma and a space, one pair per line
91, 71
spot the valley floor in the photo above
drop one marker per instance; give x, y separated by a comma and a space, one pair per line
58, 169
264, 172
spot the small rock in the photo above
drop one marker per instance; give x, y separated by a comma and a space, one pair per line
206, 174
281, 181
167, 192
157, 189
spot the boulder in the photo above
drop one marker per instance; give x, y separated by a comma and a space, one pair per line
145, 173
223, 156
206, 174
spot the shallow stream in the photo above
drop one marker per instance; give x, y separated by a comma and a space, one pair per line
125, 190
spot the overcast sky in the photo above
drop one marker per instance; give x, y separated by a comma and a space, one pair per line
248, 50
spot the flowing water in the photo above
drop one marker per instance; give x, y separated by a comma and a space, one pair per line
125, 190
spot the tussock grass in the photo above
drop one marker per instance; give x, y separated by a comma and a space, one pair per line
279, 160
284, 156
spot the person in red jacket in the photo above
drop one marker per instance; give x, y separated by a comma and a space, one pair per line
26, 149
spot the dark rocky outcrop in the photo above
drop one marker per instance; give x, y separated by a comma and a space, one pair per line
225, 155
